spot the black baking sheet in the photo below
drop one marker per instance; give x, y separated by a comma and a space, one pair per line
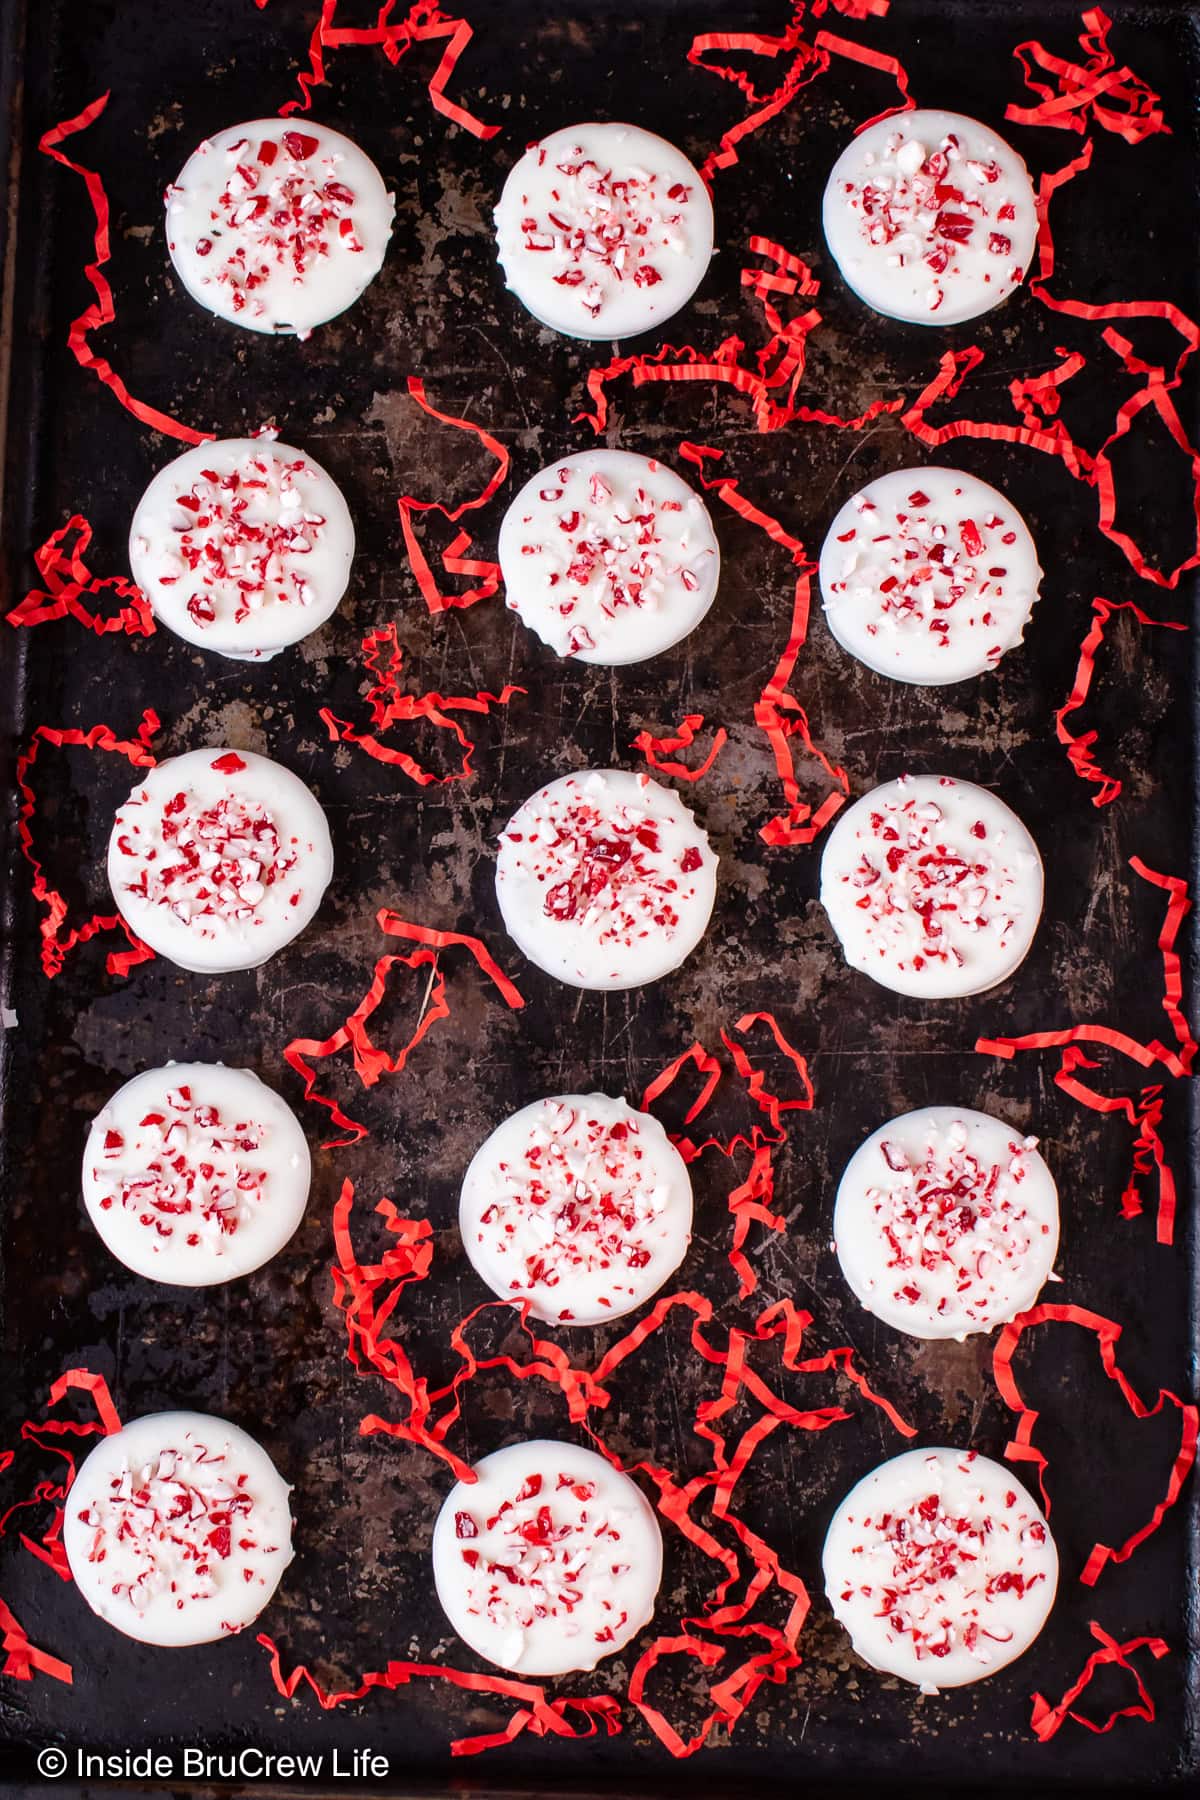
269, 1351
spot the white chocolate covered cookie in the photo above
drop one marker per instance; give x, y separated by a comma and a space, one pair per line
550, 1561
278, 226
930, 217
603, 231
941, 1567
946, 1222
218, 859
195, 1174
579, 1205
177, 1529
933, 886
605, 880
242, 547
609, 557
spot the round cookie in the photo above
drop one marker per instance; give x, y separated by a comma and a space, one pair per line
929, 576
941, 1567
177, 1529
550, 1561
946, 1222
218, 859
242, 547
579, 1205
609, 557
930, 217
278, 227
603, 231
933, 886
195, 1174
605, 880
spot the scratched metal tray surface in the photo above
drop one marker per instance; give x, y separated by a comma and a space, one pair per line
269, 1351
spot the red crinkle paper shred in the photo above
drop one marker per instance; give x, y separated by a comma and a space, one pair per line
777, 712
1116, 98
750, 1201
1046, 1720
805, 60
58, 942
1144, 1114
370, 1061
389, 706
1023, 1449
102, 310
453, 560
367, 1295
423, 23
23, 1659
657, 750
1079, 746
771, 385
1077, 103
68, 580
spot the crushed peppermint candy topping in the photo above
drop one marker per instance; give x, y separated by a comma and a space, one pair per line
241, 537
929, 575
608, 556
282, 205
946, 1222
277, 228
175, 1529
548, 1562
931, 217
934, 882
603, 229
578, 1204
941, 1566
210, 863
186, 1172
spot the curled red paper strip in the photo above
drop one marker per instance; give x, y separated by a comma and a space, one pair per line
537, 1714
453, 560
1116, 99
423, 23
806, 60
1036, 399
1023, 1449
68, 579
1046, 1720
57, 943
370, 1061
1079, 745
23, 1659
777, 712
1144, 1115
102, 311
390, 706
682, 738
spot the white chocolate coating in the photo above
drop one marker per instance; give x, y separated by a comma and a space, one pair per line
933, 886
941, 1567
550, 1561
177, 1529
579, 1205
946, 1222
195, 1174
930, 217
609, 557
242, 546
603, 231
278, 226
605, 880
929, 576
218, 859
